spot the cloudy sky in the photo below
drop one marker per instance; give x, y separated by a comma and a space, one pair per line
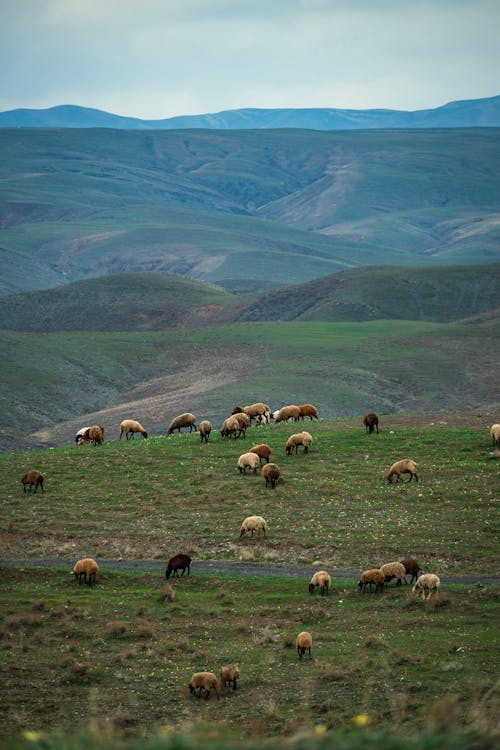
158, 58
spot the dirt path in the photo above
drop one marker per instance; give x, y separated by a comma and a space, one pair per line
228, 568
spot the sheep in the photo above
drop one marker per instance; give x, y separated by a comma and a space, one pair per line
428, 582
248, 461
495, 435
370, 577
288, 412
33, 478
393, 570
405, 466
229, 674
370, 421
86, 568
304, 643
253, 523
205, 430
308, 410
262, 450
300, 438
183, 420
231, 427
176, 563
204, 681
271, 474
81, 435
130, 427
322, 579
257, 411
412, 567
95, 434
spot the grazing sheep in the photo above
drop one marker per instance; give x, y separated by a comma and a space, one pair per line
237, 410
253, 523
428, 582
34, 479
183, 420
243, 419
495, 435
229, 675
304, 643
300, 438
81, 435
176, 563
370, 577
412, 567
393, 570
271, 473
205, 430
258, 411
231, 427
370, 421
321, 579
248, 461
405, 466
204, 681
95, 434
308, 410
130, 427
262, 450
288, 412
86, 568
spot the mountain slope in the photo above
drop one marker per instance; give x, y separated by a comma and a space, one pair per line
468, 113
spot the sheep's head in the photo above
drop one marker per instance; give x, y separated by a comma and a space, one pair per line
311, 588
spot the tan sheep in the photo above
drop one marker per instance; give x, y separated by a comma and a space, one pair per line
229, 675
262, 450
33, 478
405, 466
205, 430
304, 643
412, 567
271, 473
253, 523
129, 427
95, 434
204, 682
322, 579
300, 438
495, 435
375, 577
243, 419
248, 461
428, 582
288, 412
308, 410
231, 427
394, 570
86, 568
258, 411
182, 420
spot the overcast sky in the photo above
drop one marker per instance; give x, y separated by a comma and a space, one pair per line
158, 58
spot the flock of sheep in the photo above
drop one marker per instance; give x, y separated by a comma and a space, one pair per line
205, 683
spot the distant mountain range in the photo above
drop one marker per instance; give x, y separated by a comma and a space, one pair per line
460, 114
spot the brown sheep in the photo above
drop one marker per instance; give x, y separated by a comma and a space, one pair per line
304, 643
288, 412
308, 410
271, 473
258, 411
34, 479
231, 427
176, 563
183, 420
405, 466
370, 577
394, 570
205, 430
86, 568
370, 421
262, 450
204, 681
229, 674
96, 434
412, 567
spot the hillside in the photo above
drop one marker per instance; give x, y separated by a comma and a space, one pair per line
243, 209
458, 114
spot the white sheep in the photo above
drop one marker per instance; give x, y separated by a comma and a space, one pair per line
86, 568
300, 438
229, 675
248, 461
322, 579
129, 427
304, 643
405, 466
394, 570
495, 435
428, 582
253, 523
204, 681
183, 420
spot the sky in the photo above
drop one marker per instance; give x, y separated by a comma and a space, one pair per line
160, 58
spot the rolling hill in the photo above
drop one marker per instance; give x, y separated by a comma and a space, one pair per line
243, 209
459, 114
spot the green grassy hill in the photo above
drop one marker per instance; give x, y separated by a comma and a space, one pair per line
269, 207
